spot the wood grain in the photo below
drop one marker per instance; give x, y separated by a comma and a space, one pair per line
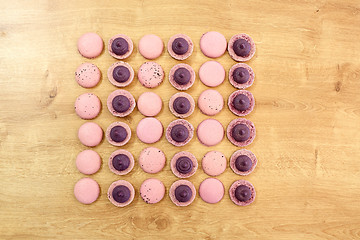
307, 117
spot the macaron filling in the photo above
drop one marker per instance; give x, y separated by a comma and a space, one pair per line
183, 193
243, 193
119, 46
121, 162
179, 133
241, 75
180, 46
181, 105
121, 103
242, 47
121, 194
184, 165
121, 74
241, 102
118, 134
182, 76
241, 132
243, 163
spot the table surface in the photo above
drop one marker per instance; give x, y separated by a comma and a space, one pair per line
307, 117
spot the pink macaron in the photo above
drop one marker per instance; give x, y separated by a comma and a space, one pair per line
181, 104
150, 74
90, 134
149, 104
180, 46
213, 44
243, 162
182, 76
242, 193
121, 162
121, 103
120, 74
87, 75
212, 73
241, 132
183, 164
241, 76
151, 46
152, 160
120, 46
152, 190
210, 102
149, 130
88, 162
90, 45
241, 102
211, 190
182, 193
210, 132
118, 134
87, 106
86, 190
213, 163
241, 47
121, 193
179, 132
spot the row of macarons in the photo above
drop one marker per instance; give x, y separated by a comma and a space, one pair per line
213, 44
182, 192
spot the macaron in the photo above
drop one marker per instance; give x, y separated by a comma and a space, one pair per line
120, 74
149, 130
121, 162
121, 103
183, 164
120, 46
88, 162
152, 190
87, 75
243, 162
182, 105
90, 45
241, 47
242, 193
151, 46
213, 44
241, 76
211, 190
210, 132
182, 76
118, 134
213, 163
90, 134
152, 160
150, 74
182, 193
180, 46
212, 73
121, 193
86, 190
241, 132
179, 132
210, 102
241, 102
87, 106
149, 104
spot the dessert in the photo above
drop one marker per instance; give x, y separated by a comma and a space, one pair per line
213, 163
241, 102
88, 162
152, 190
182, 76
121, 162
118, 134
179, 132
213, 44
180, 46
152, 160
149, 104
183, 164
87, 75
241, 47
241, 76
87, 106
243, 162
120, 103
241, 132
90, 134
242, 193
211, 190
121, 193
210, 102
90, 45
151, 46
149, 130
150, 74
86, 190
120, 74
182, 193
212, 73
120, 46
210, 132
182, 105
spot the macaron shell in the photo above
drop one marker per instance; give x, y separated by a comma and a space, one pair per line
149, 104
111, 78
234, 95
210, 102
185, 55
243, 85
151, 46
213, 44
128, 154
130, 46
122, 124
211, 190
124, 93
149, 130
90, 45
87, 106
183, 154
86, 190
181, 94
152, 190
87, 75
150, 74
172, 192
152, 160
210, 132
90, 134
231, 50
123, 183
249, 124
213, 163
212, 73
232, 192
189, 127
241, 152
175, 84
88, 162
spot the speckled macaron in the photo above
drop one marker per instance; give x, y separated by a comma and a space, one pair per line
121, 103
183, 164
241, 102
149, 130
118, 134
180, 46
182, 193
242, 193
90, 134
152, 160
210, 132
87, 106
241, 132
182, 105
179, 132
121, 162
152, 190
90, 45
210, 102
213, 44
120, 46
151, 46
211, 190
87, 75
243, 162
149, 104
150, 74
86, 190
182, 76
121, 193
88, 162
212, 73
241, 47
120, 74
213, 163
241, 76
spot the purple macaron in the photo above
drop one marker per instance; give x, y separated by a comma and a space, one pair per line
121, 103
241, 47
241, 132
241, 76
243, 162
183, 164
241, 102
120, 74
182, 105
118, 134
179, 132
182, 76
242, 193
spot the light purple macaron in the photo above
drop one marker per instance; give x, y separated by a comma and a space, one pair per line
180, 46
121, 193
243, 162
181, 104
182, 76
121, 162
179, 132
183, 164
121, 103
242, 193
246, 47
241, 132
241, 102
241, 76
118, 134
182, 193
120, 74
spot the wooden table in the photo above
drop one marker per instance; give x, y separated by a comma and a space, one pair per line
307, 117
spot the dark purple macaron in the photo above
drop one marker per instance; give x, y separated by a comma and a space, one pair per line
179, 132
243, 162
242, 193
118, 133
241, 102
241, 132
183, 164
